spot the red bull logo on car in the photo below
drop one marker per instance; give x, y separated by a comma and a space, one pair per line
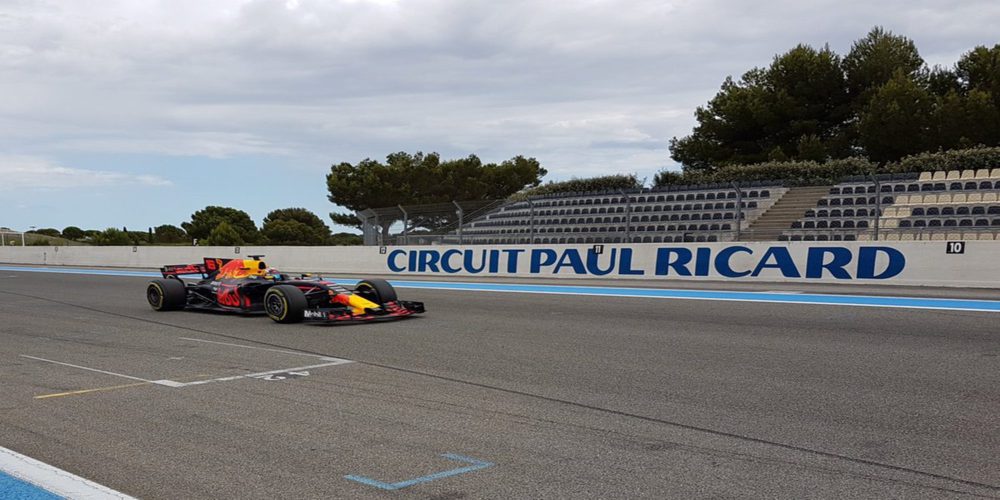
736, 261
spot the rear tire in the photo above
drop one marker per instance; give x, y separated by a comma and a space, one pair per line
376, 290
285, 304
166, 295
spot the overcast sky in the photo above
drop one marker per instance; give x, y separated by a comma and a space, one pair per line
140, 112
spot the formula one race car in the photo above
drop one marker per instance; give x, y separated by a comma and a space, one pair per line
248, 286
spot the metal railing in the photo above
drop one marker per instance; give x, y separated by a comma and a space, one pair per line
11, 238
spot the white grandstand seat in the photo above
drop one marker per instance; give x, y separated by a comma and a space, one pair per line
974, 198
864, 237
953, 175
983, 173
959, 198
892, 237
925, 176
891, 212
903, 199
890, 223
954, 236
907, 237
929, 199
937, 236
995, 173
968, 174
987, 236
990, 197
940, 175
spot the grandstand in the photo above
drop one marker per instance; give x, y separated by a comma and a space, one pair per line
703, 213
941, 205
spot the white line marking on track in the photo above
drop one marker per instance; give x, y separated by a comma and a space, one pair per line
86, 368
171, 383
261, 348
52, 479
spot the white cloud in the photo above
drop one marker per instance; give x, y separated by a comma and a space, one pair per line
583, 85
27, 173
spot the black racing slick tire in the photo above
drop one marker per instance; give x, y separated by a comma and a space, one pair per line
376, 290
166, 295
285, 304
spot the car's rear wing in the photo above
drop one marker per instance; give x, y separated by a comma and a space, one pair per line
207, 269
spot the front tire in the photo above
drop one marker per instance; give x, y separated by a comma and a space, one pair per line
166, 295
376, 290
285, 304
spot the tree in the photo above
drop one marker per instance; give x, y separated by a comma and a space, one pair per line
409, 179
112, 237
941, 81
897, 120
170, 234
667, 178
800, 97
205, 221
807, 102
345, 239
729, 128
224, 235
875, 59
879, 101
962, 121
294, 226
979, 69
73, 233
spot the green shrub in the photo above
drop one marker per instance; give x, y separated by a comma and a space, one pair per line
112, 237
954, 159
73, 233
607, 182
345, 239
48, 231
794, 173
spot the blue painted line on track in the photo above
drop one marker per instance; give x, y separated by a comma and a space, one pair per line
475, 465
614, 291
12, 488
78, 270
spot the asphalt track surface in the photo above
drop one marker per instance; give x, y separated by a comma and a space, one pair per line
546, 396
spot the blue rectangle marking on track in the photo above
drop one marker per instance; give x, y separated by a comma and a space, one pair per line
14, 488
475, 465
633, 292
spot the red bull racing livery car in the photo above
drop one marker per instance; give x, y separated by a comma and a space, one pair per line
248, 286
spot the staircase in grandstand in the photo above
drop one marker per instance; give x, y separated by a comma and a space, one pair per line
778, 218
